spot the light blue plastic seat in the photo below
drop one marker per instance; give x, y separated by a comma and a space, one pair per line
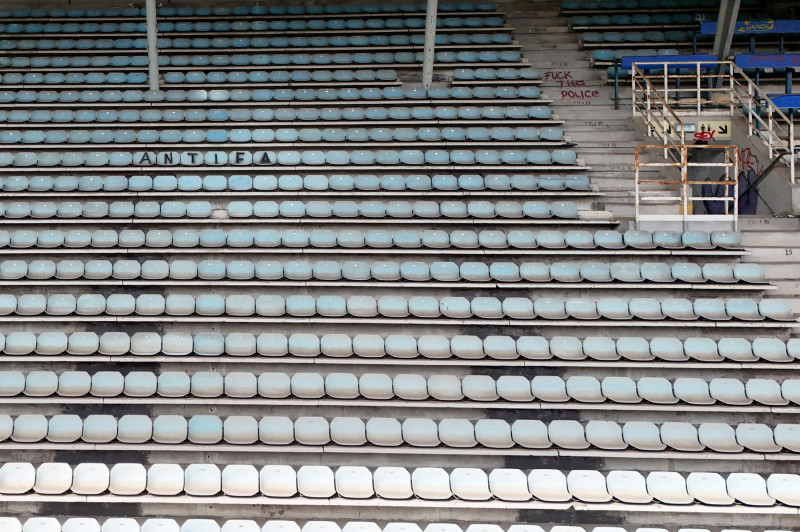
678, 309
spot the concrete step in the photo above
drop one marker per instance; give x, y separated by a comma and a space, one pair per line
763, 223
599, 112
560, 79
780, 272
540, 26
571, 57
558, 62
586, 138
762, 239
622, 147
786, 289
538, 43
600, 108
622, 211
789, 255
590, 126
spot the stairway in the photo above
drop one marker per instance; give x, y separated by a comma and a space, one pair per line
582, 99
775, 244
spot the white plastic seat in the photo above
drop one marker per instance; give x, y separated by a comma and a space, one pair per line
719, 437
127, 479
392, 483
279, 481
708, 488
567, 433
165, 479
42, 524
729, 391
620, 390
240, 525
90, 479
756, 437
642, 435
202, 480
548, 485
120, 524
584, 389
749, 489
470, 484
160, 525
605, 434
11, 524
315, 481
656, 390
549, 388
765, 391
627, 486
431, 483
354, 482
16, 478
680, 436
692, 390
668, 487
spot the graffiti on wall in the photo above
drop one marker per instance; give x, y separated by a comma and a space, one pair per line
750, 168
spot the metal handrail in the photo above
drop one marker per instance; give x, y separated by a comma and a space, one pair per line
765, 120
680, 160
646, 108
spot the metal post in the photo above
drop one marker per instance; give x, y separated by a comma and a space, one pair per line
726, 25
616, 84
152, 45
698, 96
430, 43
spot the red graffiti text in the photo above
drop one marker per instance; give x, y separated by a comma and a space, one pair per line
580, 94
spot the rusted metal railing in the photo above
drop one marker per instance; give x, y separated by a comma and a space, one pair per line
675, 176
665, 90
658, 116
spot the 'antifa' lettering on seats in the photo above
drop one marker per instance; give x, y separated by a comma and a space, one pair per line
198, 158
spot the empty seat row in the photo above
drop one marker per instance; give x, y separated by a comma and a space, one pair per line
316, 24
637, 36
127, 524
373, 238
291, 209
213, 344
51, 40
424, 307
198, 76
300, 135
378, 386
415, 271
408, 387
491, 74
37, 61
274, 59
260, 114
369, 94
637, 4
293, 182
102, 209
207, 429
480, 209
636, 19
521, 157
226, 11
605, 54
398, 483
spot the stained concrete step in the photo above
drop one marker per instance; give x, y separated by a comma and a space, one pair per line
589, 138
537, 43
572, 57
557, 62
